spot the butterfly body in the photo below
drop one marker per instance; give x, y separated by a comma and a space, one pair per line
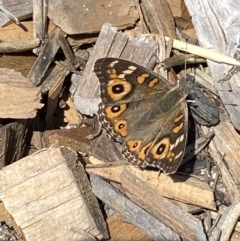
143, 111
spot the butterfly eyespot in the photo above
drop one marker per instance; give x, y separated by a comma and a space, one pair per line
120, 127
114, 111
134, 145
161, 149
118, 88
115, 108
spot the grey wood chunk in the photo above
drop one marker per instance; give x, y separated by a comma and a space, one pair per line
45, 58
130, 211
21, 9
225, 227
216, 28
88, 16
111, 43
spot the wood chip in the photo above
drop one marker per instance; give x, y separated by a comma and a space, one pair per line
130, 211
13, 33
88, 16
45, 58
224, 149
19, 99
21, 9
159, 18
219, 36
12, 142
49, 186
184, 224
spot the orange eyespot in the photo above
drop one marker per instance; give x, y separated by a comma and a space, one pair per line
118, 88
161, 149
114, 111
120, 127
134, 145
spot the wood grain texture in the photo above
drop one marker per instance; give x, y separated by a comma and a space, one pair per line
19, 99
121, 230
217, 28
88, 16
224, 150
159, 17
183, 223
21, 9
184, 189
50, 197
130, 211
12, 142
45, 58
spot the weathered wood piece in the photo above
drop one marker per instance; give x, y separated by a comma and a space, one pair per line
20, 46
130, 211
159, 18
219, 36
45, 58
224, 149
19, 99
12, 142
184, 224
184, 189
49, 186
89, 15
182, 19
12, 32
54, 83
111, 43
226, 224
40, 18
19, 8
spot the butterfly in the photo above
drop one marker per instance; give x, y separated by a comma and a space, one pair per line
143, 111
